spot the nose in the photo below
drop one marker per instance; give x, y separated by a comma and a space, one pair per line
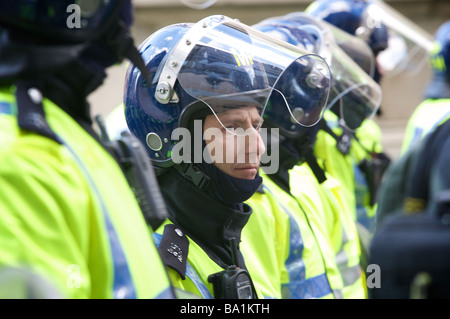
254, 146
261, 147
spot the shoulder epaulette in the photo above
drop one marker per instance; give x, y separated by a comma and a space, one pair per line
174, 248
31, 115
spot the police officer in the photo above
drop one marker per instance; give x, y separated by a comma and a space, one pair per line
330, 193
411, 243
213, 76
309, 264
350, 109
69, 217
397, 43
355, 17
435, 109
430, 114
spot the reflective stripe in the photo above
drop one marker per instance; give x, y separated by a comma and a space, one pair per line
440, 121
295, 263
427, 116
361, 193
123, 287
341, 256
6, 108
417, 135
420, 132
190, 273
338, 294
349, 274
314, 287
166, 294
299, 286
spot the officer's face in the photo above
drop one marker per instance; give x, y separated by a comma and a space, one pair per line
237, 154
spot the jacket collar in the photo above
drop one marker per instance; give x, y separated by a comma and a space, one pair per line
205, 220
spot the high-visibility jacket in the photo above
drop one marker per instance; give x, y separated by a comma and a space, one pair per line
115, 122
68, 213
338, 222
261, 264
346, 168
307, 259
425, 118
199, 266
264, 238
368, 142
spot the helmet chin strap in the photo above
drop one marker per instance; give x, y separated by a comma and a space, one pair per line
306, 150
121, 41
135, 57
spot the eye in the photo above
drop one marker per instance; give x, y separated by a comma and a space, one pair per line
230, 126
257, 126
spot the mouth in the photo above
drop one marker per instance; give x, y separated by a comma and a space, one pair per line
247, 172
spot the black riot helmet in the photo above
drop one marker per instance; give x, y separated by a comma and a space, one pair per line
38, 36
63, 21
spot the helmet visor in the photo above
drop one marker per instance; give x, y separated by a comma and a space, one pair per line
408, 44
357, 49
228, 65
354, 95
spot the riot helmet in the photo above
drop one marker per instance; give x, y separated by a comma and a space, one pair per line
439, 86
212, 66
63, 21
397, 42
40, 36
354, 96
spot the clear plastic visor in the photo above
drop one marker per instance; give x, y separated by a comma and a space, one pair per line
408, 44
228, 65
353, 91
357, 49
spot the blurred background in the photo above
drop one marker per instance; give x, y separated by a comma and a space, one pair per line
402, 92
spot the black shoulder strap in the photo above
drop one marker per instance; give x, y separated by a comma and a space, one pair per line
307, 150
344, 141
31, 115
174, 249
319, 173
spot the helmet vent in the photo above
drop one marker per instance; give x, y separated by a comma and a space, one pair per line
154, 141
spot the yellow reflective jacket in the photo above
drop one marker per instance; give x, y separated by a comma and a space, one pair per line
306, 260
425, 118
345, 168
68, 214
335, 221
199, 266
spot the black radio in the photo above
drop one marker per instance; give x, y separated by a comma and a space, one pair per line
137, 168
234, 282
